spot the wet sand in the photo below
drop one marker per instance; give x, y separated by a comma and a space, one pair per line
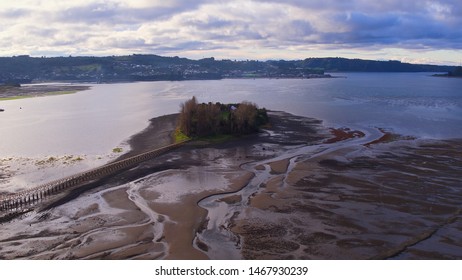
26, 91
400, 200
290, 192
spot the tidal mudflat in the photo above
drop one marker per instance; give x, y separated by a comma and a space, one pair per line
295, 191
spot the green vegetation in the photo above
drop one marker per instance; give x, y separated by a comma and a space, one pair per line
180, 136
216, 122
25, 69
117, 150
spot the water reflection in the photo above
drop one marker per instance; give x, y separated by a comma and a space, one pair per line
97, 120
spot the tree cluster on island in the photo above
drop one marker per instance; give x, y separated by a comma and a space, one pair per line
211, 119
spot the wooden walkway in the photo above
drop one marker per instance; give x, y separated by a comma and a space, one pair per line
27, 199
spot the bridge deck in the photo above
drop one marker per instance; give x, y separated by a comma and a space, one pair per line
31, 197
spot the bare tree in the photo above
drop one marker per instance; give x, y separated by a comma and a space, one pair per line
246, 117
187, 115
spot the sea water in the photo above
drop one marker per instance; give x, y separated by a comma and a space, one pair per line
97, 120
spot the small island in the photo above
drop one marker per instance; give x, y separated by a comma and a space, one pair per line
208, 120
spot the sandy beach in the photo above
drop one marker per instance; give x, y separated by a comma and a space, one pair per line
297, 190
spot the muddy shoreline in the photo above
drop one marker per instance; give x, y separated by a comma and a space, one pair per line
297, 190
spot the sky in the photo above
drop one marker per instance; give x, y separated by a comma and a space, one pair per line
406, 30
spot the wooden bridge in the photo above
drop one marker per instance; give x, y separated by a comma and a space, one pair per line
27, 199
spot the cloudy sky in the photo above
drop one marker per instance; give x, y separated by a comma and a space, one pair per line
407, 30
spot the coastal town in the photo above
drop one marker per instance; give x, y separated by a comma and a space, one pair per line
26, 69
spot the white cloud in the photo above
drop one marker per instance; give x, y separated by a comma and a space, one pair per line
237, 28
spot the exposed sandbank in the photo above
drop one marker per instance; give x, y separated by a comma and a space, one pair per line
27, 91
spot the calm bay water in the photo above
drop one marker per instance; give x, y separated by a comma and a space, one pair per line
98, 120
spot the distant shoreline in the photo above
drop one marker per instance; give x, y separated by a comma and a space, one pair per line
446, 76
8, 92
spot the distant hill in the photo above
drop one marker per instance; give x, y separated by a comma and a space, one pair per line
24, 69
337, 64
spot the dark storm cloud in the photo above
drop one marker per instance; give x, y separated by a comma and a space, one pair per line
410, 29
370, 22
431, 24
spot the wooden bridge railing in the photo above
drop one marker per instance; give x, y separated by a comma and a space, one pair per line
29, 198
